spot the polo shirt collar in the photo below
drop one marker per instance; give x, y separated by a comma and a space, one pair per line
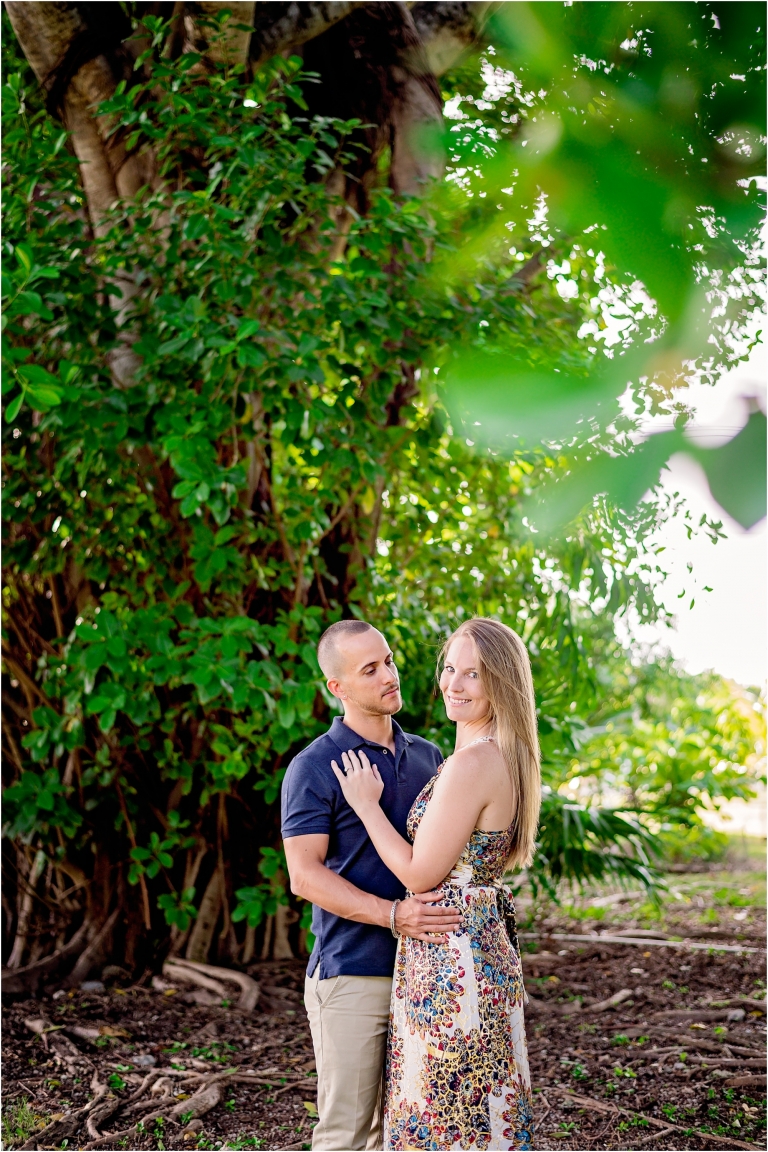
346, 739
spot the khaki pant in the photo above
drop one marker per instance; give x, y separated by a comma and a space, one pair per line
348, 1017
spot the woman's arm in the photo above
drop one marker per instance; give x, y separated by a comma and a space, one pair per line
311, 878
451, 816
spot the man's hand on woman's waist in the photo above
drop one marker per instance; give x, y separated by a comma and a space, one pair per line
416, 916
420, 917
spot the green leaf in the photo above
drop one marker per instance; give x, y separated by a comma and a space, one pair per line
222, 536
35, 374
95, 655
249, 356
189, 504
500, 397
183, 488
24, 257
12, 411
68, 371
107, 719
43, 398
286, 713
31, 303
175, 345
195, 228
97, 703
247, 328
736, 472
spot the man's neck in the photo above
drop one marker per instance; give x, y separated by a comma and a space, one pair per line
377, 729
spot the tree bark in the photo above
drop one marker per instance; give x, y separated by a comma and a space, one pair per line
266, 946
79, 61
448, 30
375, 62
179, 938
388, 56
233, 47
201, 936
279, 27
25, 911
97, 951
284, 917
372, 67
27, 980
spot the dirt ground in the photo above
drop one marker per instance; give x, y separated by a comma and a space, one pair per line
676, 1063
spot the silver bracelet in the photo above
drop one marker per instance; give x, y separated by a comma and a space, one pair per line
392, 915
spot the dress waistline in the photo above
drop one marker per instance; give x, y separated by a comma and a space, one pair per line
504, 897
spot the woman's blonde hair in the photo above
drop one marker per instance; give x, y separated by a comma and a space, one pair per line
505, 674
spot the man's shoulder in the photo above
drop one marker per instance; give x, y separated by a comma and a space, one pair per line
308, 778
321, 750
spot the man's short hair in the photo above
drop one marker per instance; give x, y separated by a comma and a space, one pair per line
328, 647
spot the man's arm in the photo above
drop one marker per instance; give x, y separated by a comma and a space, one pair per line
313, 881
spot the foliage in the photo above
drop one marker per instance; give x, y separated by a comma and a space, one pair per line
688, 846
178, 908
254, 903
458, 547
579, 844
673, 744
281, 457
638, 129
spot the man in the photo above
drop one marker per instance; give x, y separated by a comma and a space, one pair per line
332, 862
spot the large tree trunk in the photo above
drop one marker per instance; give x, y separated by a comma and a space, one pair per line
375, 62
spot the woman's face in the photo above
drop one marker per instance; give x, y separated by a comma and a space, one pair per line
460, 683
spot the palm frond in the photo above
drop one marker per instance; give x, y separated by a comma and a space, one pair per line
581, 845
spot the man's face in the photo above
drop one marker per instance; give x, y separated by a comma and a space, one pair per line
367, 676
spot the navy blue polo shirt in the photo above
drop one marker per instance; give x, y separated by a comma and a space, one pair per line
313, 804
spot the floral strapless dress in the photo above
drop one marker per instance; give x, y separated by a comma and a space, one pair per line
457, 1063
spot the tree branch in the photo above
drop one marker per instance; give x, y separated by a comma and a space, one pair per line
280, 26
447, 30
25, 680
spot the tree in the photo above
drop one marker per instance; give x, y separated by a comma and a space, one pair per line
224, 431
85, 57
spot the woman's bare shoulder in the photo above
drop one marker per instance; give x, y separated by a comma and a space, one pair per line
475, 761
480, 752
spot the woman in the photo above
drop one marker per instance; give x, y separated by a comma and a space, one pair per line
457, 1066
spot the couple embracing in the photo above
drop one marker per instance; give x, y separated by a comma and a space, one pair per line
414, 988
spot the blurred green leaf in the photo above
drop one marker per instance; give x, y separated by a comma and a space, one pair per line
623, 479
736, 472
499, 397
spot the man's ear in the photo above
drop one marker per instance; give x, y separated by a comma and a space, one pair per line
335, 688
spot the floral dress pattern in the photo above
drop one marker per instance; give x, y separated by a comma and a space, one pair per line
457, 1064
